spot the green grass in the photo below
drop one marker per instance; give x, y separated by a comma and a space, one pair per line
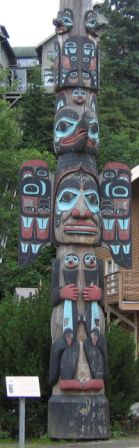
39, 443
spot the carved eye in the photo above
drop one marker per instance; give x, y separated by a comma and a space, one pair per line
67, 21
93, 199
109, 174
86, 75
120, 191
31, 189
73, 74
42, 172
67, 196
63, 126
66, 200
91, 19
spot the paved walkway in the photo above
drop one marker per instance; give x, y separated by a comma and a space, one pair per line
120, 443
127, 442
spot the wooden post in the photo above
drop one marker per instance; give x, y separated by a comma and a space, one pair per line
86, 212
78, 408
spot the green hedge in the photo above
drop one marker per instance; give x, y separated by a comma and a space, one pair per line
25, 350
123, 384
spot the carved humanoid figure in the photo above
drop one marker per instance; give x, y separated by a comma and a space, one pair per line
77, 280
85, 211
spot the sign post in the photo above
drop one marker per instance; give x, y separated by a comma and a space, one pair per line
21, 422
22, 387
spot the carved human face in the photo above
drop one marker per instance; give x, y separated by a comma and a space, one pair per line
76, 130
76, 218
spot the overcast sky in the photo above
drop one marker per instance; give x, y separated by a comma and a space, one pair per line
28, 22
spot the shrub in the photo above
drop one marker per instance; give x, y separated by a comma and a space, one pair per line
24, 350
123, 384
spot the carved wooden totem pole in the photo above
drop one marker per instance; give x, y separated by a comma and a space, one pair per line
86, 211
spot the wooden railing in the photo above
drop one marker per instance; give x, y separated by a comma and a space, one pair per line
123, 287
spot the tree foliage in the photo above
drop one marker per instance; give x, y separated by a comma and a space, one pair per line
37, 118
26, 132
24, 350
118, 99
123, 384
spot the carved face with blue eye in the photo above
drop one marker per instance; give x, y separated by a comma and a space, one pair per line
79, 95
91, 21
76, 129
71, 261
90, 261
77, 210
64, 21
68, 198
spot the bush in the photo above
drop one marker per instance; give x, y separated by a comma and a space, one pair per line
24, 350
123, 384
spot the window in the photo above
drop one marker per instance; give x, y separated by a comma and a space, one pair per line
50, 55
110, 268
48, 78
27, 62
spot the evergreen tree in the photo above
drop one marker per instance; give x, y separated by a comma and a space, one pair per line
37, 111
37, 116
123, 382
25, 348
118, 99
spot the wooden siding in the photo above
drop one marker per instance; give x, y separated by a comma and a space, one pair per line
48, 46
135, 225
123, 287
4, 58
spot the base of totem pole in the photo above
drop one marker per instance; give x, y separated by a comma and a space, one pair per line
78, 417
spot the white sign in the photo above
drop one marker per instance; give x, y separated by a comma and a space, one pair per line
23, 386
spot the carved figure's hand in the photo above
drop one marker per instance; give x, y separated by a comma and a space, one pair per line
92, 293
69, 292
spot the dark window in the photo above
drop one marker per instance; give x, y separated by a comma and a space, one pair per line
50, 55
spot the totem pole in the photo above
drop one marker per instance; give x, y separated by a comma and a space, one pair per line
77, 213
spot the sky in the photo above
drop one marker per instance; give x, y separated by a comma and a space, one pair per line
28, 22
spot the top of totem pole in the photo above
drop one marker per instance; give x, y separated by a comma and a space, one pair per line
70, 19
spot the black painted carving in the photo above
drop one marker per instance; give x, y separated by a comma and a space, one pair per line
116, 212
64, 21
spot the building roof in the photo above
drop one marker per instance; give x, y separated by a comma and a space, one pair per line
3, 32
5, 44
45, 41
25, 52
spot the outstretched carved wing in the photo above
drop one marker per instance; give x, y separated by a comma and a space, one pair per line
116, 212
35, 209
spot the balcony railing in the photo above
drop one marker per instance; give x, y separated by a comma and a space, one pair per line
123, 287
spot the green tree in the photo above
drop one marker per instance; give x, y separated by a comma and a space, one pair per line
123, 382
25, 350
9, 268
13, 153
37, 117
118, 98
